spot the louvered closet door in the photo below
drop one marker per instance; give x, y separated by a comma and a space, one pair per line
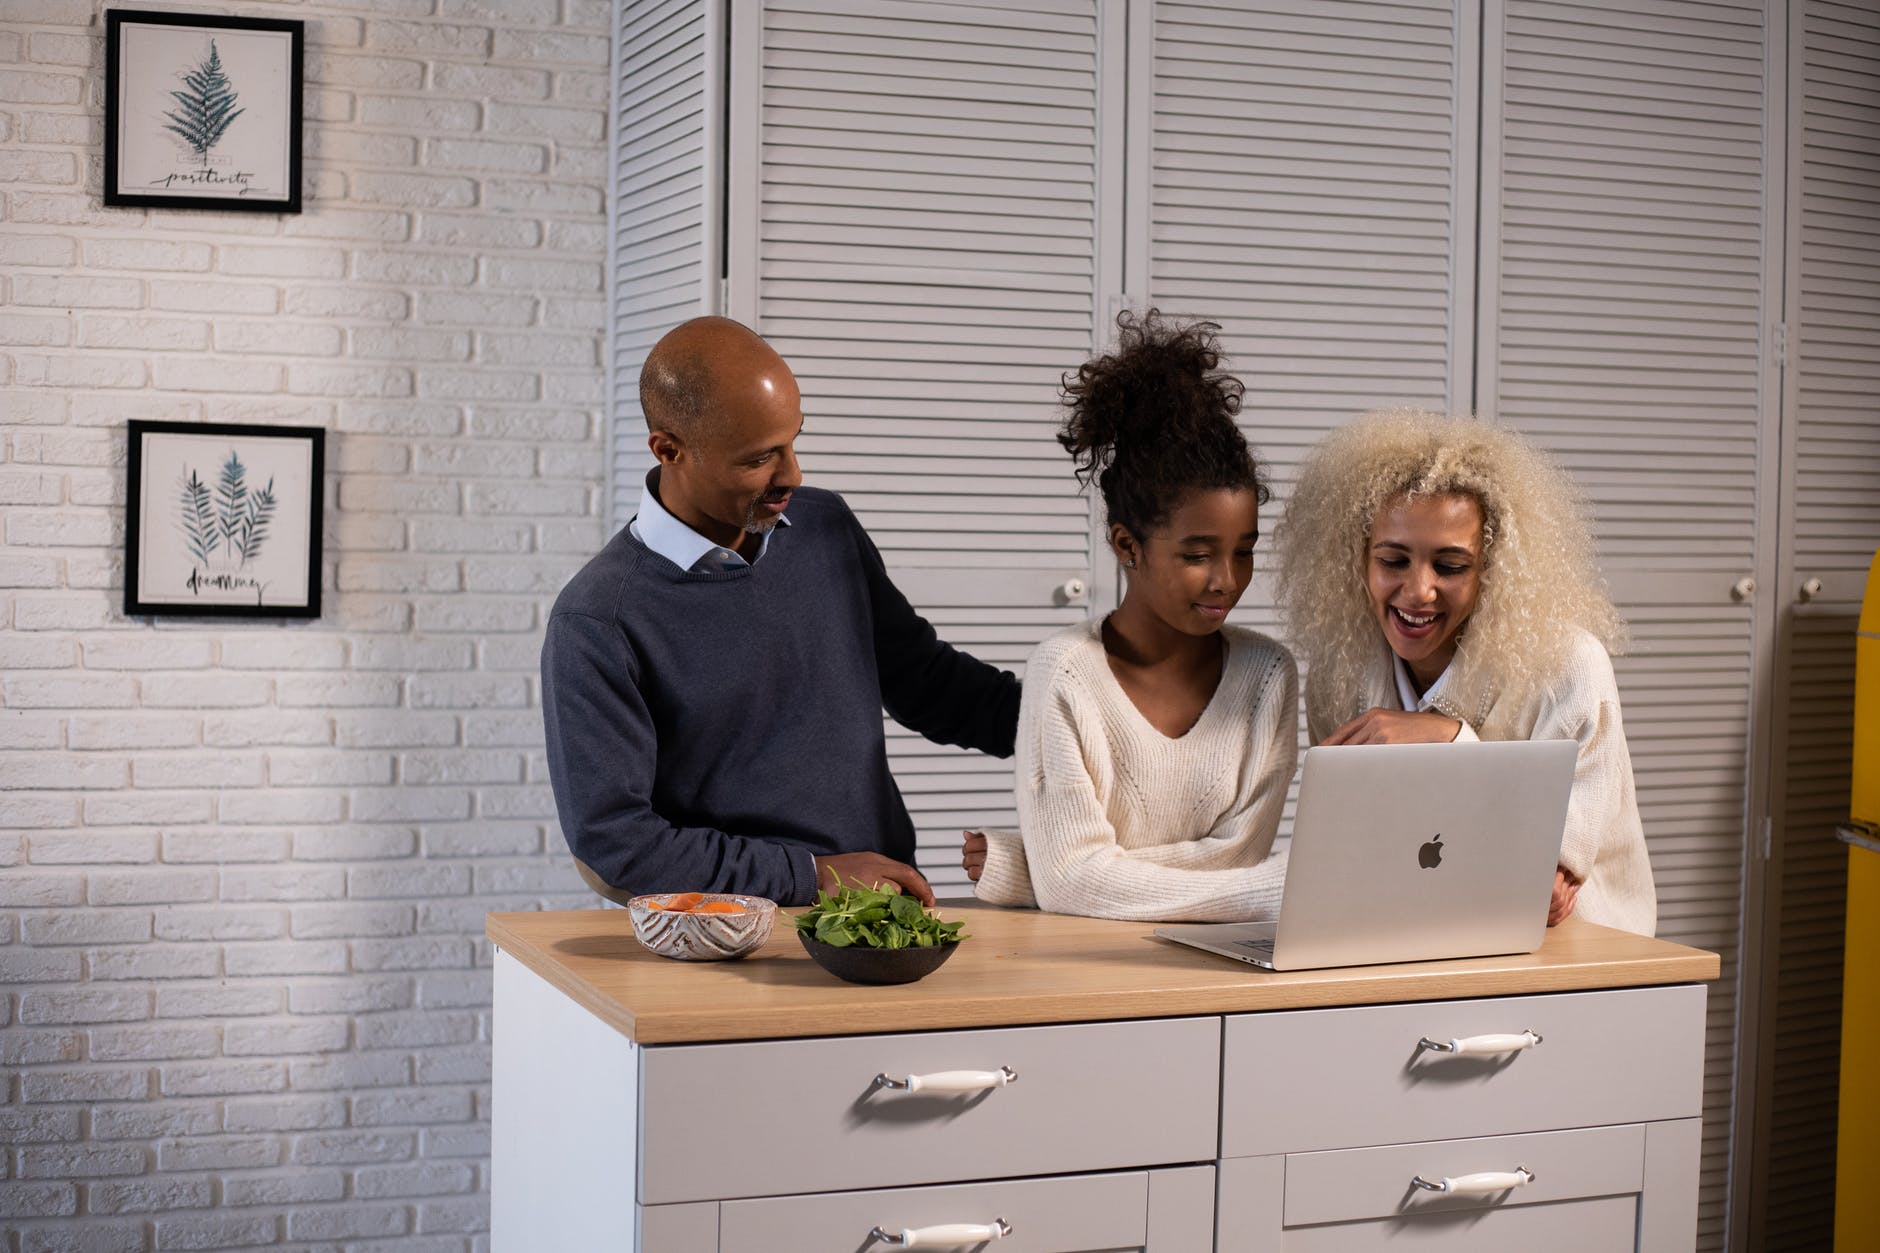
915, 203
664, 208
1831, 490
1312, 190
1625, 272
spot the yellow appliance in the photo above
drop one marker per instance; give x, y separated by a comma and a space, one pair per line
1857, 1201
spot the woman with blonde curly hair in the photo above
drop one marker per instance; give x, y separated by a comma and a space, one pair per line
1437, 577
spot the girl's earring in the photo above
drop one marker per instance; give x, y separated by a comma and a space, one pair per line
1130, 564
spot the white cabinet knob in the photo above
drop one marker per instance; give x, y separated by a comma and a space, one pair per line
1743, 589
1072, 592
1809, 589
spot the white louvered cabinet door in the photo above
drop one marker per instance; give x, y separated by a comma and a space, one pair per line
1310, 187
915, 201
1626, 282
1831, 491
664, 207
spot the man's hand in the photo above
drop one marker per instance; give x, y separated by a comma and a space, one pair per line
1396, 726
872, 870
973, 854
1566, 892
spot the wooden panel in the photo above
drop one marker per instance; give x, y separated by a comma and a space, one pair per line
1832, 488
1252, 1204
1668, 1210
678, 1228
663, 224
1596, 1225
1310, 188
926, 254
926, 177
1181, 1210
1624, 320
1376, 1182
1020, 966
1089, 1096
562, 1133
1068, 1215
947, 789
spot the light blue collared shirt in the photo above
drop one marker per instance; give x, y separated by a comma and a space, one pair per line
679, 543
1407, 692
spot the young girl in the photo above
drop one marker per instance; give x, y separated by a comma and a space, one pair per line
1155, 747
1437, 575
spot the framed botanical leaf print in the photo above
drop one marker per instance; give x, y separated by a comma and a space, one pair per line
224, 519
202, 111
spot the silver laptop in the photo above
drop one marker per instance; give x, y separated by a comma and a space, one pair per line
1410, 852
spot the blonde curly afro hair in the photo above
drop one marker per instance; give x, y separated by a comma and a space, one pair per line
1540, 581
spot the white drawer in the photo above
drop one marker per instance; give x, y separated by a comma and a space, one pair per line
1164, 1210
1585, 1197
1348, 1185
1336, 1078
724, 1121
1604, 1224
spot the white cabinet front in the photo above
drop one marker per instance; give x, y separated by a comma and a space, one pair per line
1342, 1078
1149, 1210
724, 1121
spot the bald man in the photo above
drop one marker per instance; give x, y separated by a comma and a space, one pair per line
713, 681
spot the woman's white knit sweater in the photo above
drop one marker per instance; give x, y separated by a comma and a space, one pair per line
1604, 842
1119, 820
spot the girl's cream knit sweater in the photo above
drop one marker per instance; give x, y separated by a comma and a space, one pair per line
1119, 820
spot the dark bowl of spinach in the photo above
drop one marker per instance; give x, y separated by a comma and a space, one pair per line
869, 936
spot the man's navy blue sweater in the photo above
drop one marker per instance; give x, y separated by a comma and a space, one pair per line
715, 731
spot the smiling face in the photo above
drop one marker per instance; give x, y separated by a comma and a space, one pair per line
1423, 574
1192, 569
729, 474
744, 474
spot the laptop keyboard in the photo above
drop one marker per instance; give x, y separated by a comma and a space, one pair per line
1260, 946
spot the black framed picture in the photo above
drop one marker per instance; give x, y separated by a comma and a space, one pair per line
202, 111
224, 519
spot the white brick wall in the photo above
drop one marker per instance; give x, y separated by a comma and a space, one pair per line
244, 995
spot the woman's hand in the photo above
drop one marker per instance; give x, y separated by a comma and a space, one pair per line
973, 854
1566, 892
1396, 726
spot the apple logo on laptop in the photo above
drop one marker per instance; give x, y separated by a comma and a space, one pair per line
1430, 855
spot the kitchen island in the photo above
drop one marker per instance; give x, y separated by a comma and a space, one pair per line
1083, 1085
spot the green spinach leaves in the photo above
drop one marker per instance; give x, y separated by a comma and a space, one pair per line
871, 918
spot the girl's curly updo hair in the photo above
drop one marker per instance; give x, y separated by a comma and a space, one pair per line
1154, 420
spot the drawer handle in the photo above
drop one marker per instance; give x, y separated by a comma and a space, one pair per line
1480, 1044
949, 1235
1477, 1184
951, 1081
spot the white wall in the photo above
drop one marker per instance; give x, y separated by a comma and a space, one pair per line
244, 997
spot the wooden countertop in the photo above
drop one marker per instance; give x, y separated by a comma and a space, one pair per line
1021, 967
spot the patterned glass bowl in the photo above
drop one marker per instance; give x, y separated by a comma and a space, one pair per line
698, 937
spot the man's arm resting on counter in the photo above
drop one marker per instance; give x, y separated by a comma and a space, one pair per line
602, 750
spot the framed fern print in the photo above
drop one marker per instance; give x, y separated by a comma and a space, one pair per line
202, 111
224, 519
